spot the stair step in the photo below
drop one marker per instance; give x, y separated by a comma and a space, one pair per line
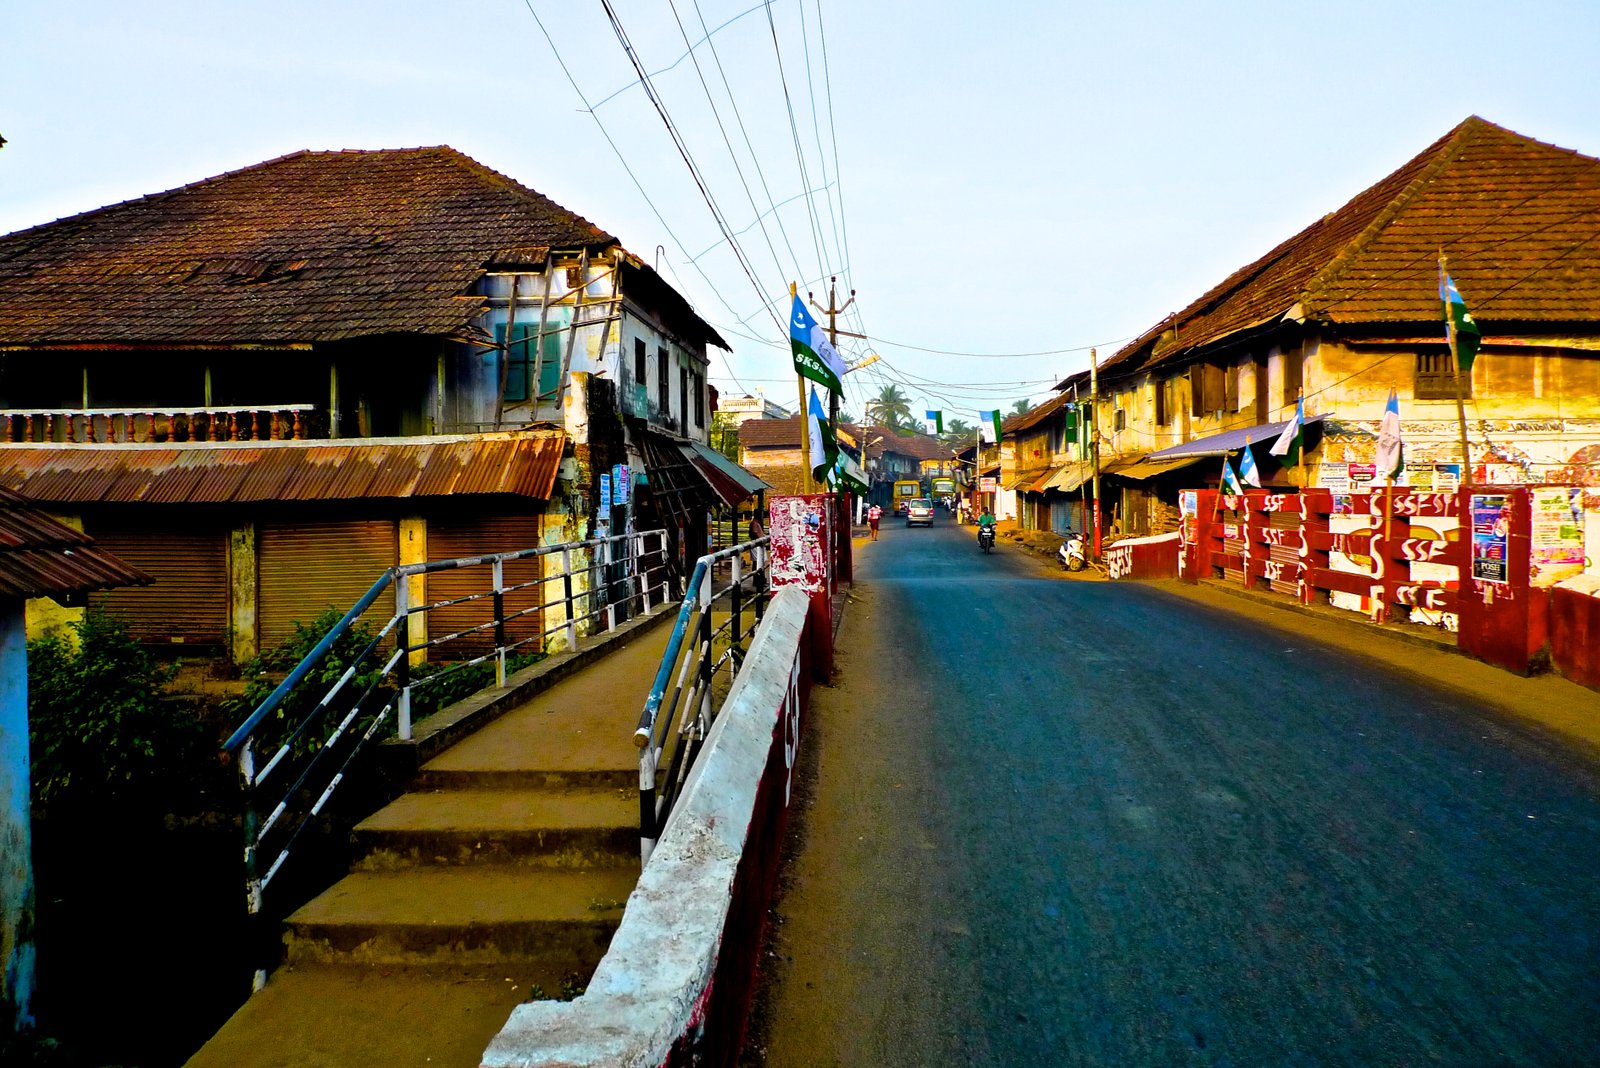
464, 915
571, 828
437, 776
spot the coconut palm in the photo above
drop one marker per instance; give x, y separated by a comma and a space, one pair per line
890, 408
1022, 407
958, 431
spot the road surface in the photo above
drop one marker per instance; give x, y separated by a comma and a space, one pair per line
1045, 821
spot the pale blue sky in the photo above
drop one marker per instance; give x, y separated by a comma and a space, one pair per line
1013, 178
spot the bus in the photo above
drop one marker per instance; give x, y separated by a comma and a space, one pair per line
904, 491
944, 487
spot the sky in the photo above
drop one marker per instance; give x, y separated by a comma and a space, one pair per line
1005, 187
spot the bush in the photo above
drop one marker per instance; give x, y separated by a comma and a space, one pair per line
100, 729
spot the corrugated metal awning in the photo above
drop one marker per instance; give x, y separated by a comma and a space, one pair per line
1151, 468
522, 463
41, 557
730, 482
1071, 477
1230, 440
1024, 480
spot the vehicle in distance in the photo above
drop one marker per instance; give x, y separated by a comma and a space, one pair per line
944, 487
919, 510
905, 491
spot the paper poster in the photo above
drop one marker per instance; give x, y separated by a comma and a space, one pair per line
1556, 549
1491, 532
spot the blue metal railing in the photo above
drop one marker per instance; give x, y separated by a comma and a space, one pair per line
372, 695
679, 710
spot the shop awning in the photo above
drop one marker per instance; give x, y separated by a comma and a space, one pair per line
1148, 468
730, 482
1230, 440
1024, 480
1070, 477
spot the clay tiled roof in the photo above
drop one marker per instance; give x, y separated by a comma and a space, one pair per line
40, 557
1518, 219
1036, 415
771, 433
314, 246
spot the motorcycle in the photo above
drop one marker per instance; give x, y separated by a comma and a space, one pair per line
1071, 553
986, 539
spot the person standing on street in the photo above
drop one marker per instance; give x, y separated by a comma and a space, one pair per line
873, 515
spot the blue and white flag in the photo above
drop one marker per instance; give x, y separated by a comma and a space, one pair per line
1230, 481
935, 422
1247, 467
814, 355
822, 447
1289, 442
989, 427
1391, 458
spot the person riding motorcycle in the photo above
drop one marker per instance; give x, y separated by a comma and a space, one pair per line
986, 519
986, 530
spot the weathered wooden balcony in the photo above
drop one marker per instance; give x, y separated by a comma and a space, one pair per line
283, 422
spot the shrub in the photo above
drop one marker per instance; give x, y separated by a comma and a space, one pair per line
100, 730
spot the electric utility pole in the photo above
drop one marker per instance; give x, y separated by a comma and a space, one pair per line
1094, 431
833, 314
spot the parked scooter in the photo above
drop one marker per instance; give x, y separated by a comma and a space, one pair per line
986, 539
1071, 553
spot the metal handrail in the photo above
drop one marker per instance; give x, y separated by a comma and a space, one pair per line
316, 752
661, 714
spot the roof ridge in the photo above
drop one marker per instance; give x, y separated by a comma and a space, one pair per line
1444, 151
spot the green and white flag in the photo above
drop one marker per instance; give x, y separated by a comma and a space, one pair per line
1461, 328
935, 422
822, 447
814, 355
848, 474
989, 427
1289, 442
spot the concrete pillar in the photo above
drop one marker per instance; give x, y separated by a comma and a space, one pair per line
16, 837
414, 550
243, 600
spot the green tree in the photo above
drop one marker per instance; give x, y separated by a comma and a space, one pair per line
958, 432
890, 408
1021, 407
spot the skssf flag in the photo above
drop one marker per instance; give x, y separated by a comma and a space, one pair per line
1247, 467
847, 473
935, 422
823, 447
814, 355
1289, 442
989, 427
1461, 324
1391, 450
1230, 481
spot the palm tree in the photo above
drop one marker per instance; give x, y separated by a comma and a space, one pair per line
958, 431
890, 408
1022, 407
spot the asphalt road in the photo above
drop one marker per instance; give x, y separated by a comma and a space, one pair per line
1056, 822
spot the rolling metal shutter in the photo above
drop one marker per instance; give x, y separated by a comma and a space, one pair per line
496, 534
307, 567
188, 603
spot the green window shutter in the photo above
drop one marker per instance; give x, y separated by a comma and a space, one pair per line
550, 370
517, 360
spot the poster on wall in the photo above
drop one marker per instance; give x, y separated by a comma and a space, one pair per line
1334, 477
1556, 549
620, 477
1491, 531
605, 495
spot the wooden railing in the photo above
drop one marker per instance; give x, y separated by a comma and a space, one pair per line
280, 422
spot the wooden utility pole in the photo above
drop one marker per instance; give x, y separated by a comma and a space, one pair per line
1455, 371
1094, 421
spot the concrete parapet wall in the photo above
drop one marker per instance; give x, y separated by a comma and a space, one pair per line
675, 985
1155, 557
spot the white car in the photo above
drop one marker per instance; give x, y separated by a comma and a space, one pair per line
919, 510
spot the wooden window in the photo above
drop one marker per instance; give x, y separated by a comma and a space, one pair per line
641, 366
1163, 405
699, 399
1263, 413
1119, 420
1206, 383
522, 359
683, 401
1434, 380
1230, 388
664, 381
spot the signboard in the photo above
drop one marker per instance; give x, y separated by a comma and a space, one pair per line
988, 484
1556, 550
605, 493
1491, 531
1334, 477
1360, 473
620, 477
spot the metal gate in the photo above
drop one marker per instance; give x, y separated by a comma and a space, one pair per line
308, 567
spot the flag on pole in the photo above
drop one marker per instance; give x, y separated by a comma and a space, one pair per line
847, 473
1461, 328
1391, 450
989, 427
1247, 467
1230, 481
1288, 443
823, 447
935, 422
814, 355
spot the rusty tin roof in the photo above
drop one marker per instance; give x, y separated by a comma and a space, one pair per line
522, 463
41, 557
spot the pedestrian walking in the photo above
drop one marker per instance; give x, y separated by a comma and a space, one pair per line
873, 515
